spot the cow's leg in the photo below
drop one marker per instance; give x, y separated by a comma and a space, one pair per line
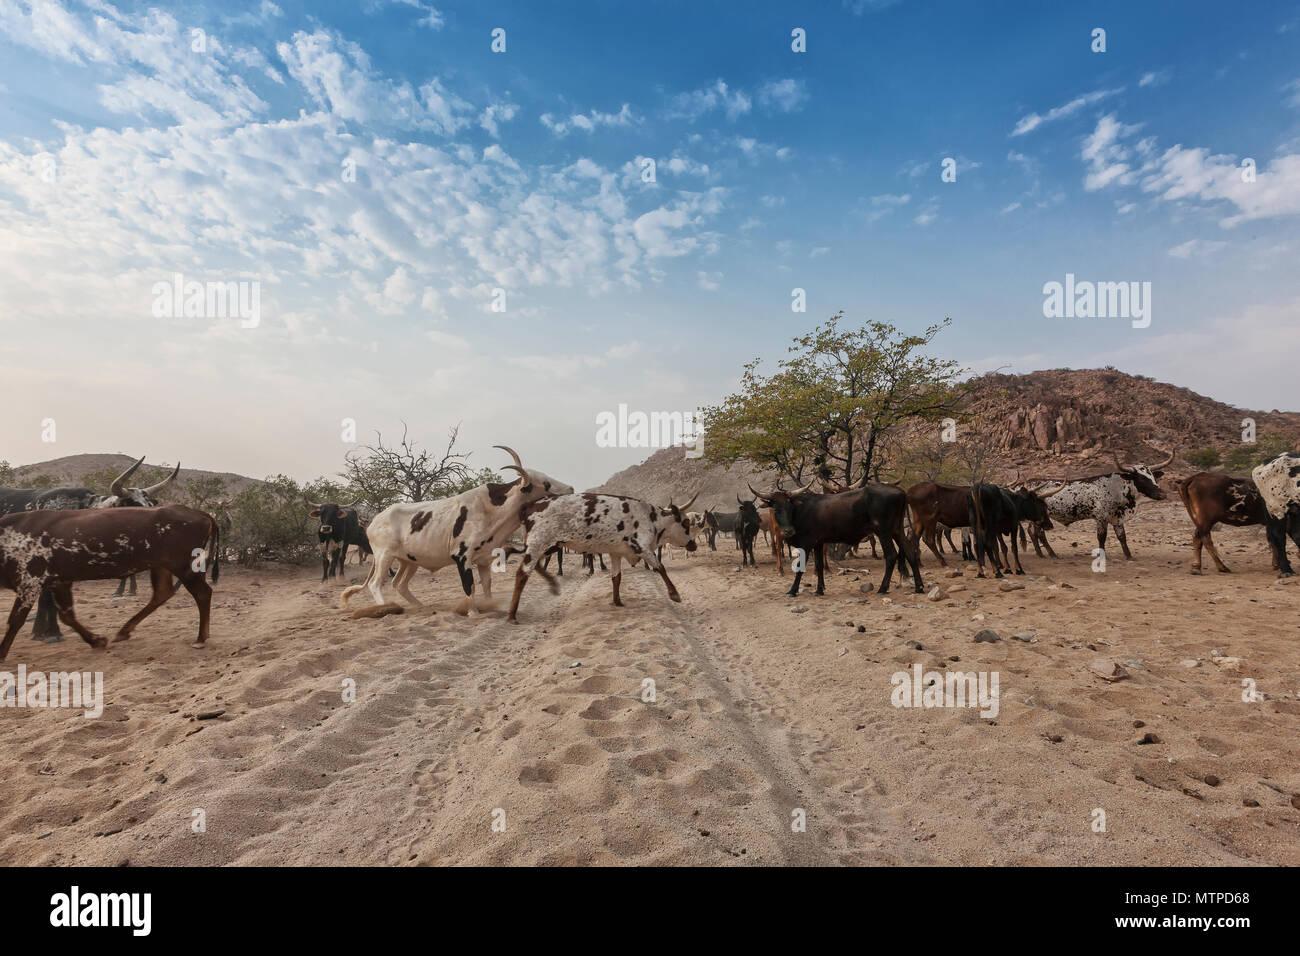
1015, 551
162, 591
1214, 553
1101, 533
672, 591
1275, 530
521, 578
61, 592
324, 561
820, 560
616, 577
121, 587
46, 627
379, 574
405, 572
928, 536
1123, 539
891, 561
202, 594
1046, 544
17, 617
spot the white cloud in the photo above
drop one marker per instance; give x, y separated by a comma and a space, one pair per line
1106, 156
589, 122
495, 114
1154, 78
785, 96
691, 106
1032, 121
1196, 247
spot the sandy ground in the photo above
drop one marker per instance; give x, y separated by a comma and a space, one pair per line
760, 711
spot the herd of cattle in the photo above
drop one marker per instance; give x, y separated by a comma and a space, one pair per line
50, 540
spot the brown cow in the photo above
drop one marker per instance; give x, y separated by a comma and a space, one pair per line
1210, 499
777, 539
57, 548
933, 504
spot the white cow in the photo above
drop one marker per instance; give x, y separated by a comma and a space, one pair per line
627, 529
463, 530
1278, 481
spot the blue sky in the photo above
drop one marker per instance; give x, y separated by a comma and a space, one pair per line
522, 171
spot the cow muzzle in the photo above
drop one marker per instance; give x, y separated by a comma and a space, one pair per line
327, 529
690, 545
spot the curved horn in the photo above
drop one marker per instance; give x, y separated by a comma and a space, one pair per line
1167, 460
687, 506
1119, 464
154, 489
1050, 493
518, 468
316, 505
519, 465
757, 494
116, 488
738, 501
805, 489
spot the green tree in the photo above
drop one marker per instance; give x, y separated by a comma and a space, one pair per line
827, 408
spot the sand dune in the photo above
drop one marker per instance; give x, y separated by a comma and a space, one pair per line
760, 711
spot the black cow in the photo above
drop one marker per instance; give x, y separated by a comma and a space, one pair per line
747, 525
717, 521
810, 521
992, 513
13, 500
340, 526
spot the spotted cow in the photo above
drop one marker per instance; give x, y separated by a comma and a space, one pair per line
1106, 498
627, 529
463, 530
1278, 481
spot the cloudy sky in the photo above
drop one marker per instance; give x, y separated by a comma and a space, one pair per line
381, 173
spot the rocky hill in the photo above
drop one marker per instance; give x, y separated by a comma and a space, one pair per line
1057, 422
70, 471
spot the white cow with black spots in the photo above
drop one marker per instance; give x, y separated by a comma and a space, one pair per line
1278, 481
463, 530
1107, 498
626, 529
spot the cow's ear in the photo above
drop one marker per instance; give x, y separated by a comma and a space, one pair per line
1158, 472
315, 512
343, 513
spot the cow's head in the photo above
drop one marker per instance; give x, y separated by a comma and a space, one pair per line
1031, 507
1145, 478
120, 496
332, 516
784, 504
534, 484
749, 517
679, 529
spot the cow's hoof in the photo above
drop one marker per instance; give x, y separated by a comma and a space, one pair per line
1287, 574
512, 620
1020, 572
99, 642
121, 637
1225, 570
49, 639
198, 645
675, 598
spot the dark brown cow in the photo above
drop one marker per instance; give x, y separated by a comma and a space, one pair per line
1210, 499
933, 504
57, 548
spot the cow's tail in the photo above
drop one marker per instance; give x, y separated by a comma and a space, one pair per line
353, 589
214, 549
1182, 493
979, 519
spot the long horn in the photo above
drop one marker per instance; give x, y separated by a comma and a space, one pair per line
1050, 493
1118, 463
757, 494
1167, 460
687, 506
154, 489
519, 465
116, 488
806, 488
518, 468
738, 501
